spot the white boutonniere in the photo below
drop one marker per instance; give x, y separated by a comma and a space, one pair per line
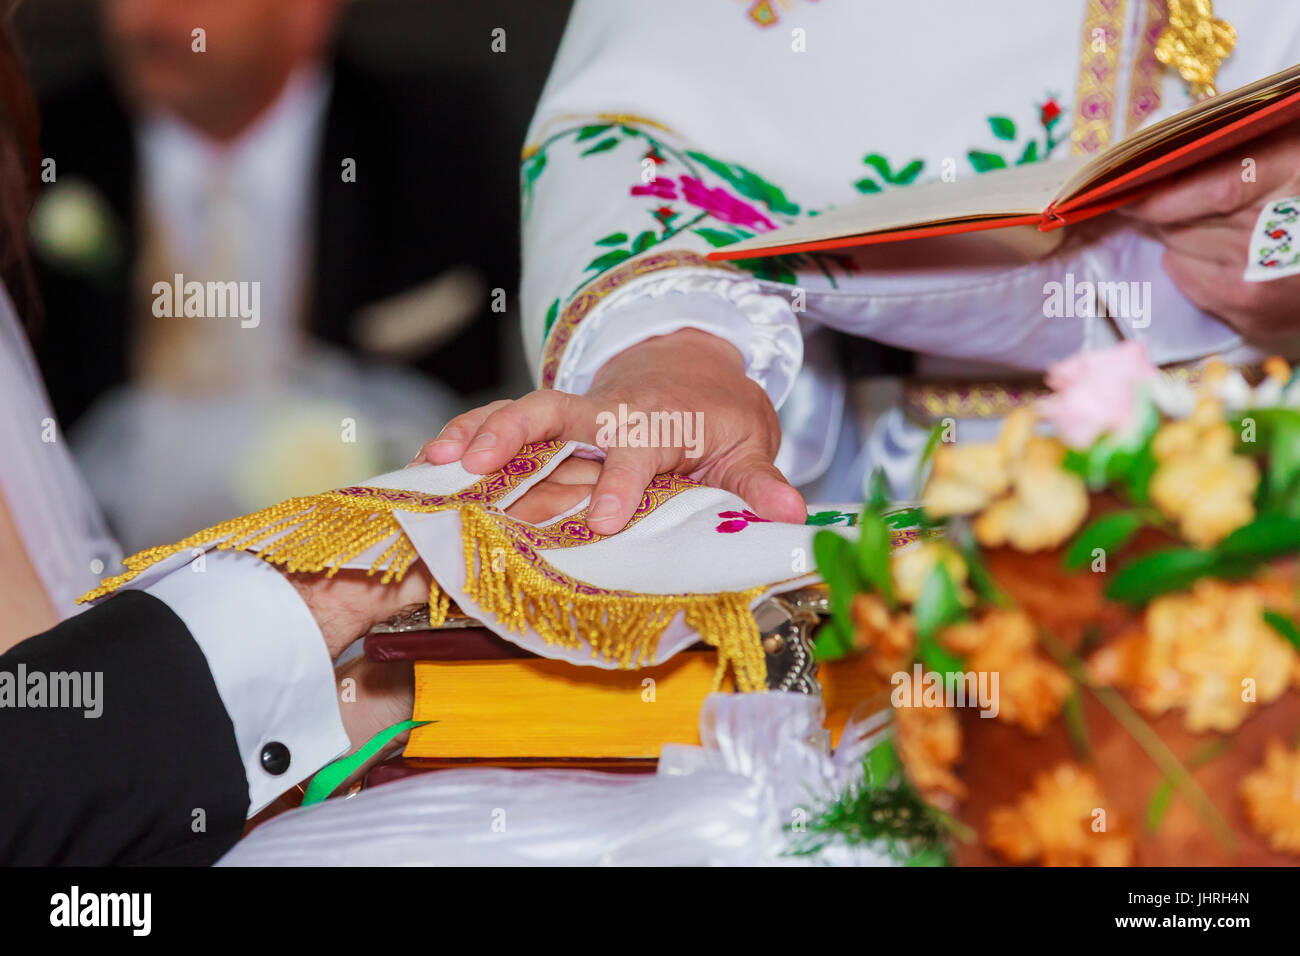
73, 227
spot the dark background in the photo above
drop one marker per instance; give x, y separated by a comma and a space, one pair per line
60, 39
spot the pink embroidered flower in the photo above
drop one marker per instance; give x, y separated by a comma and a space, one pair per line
722, 205
739, 521
1096, 392
663, 188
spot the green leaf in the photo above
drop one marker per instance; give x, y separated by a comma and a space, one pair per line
613, 239
610, 258
1159, 572
931, 443
835, 563
590, 132
1030, 155
938, 606
1283, 464
873, 553
908, 173
551, 315
1003, 128
882, 764
1109, 532
716, 237
1161, 797
879, 496
1265, 537
643, 242
981, 579
603, 146
1076, 725
748, 183
983, 161
867, 185
1284, 626
831, 643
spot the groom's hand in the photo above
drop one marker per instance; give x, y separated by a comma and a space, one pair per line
688, 372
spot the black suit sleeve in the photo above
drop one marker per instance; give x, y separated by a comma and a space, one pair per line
156, 778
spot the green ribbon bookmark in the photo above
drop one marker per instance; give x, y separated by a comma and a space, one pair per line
329, 777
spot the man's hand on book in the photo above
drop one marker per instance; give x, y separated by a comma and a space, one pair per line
1205, 219
688, 372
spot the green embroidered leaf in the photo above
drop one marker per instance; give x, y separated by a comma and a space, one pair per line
1030, 154
610, 258
1109, 533
613, 239
1003, 128
867, 186
716, 237
983, 161
767, 268
909, 172
603, 146
821, 518
1284, 626
880, 165
590, 132
551, 314
748, 183
643, 242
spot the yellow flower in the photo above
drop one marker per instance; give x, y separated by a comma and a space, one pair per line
929, 745
1200, 481
1272, 797
1031, 688
910, 568
1209, 652
888, 637
1025, 497
1057, 823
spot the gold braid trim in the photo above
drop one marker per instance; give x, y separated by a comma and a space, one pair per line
620, 626
323, 532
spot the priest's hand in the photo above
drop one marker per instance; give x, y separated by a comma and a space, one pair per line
688, 372
1205, 219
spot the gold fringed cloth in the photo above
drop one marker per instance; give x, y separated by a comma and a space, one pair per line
689, 567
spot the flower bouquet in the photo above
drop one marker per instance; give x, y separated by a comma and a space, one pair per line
1091, 637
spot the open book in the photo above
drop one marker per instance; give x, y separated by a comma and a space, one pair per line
1049, 194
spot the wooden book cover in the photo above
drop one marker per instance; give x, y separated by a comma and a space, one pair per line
1046, 195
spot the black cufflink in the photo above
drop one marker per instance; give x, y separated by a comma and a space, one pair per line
275, 758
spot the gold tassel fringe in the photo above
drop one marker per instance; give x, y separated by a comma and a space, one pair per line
323, 532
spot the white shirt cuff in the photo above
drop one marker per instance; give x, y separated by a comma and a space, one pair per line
269, 662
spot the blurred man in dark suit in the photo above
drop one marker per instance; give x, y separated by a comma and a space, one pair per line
233, 144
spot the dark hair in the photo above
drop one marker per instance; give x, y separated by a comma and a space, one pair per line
20, 163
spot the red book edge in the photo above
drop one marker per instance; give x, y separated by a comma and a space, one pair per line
1076, 209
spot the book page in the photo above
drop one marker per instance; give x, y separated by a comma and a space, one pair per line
1173, 131
1016, 191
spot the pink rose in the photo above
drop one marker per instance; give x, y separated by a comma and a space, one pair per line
1096, 392
724, 206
